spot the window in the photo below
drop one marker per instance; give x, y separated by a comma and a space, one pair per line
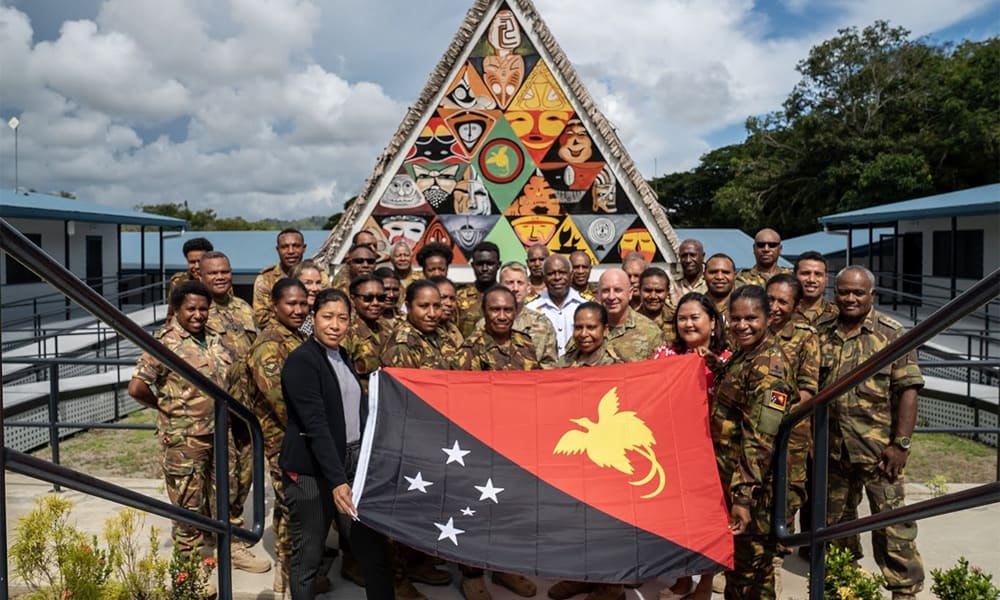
969, 250
18, 273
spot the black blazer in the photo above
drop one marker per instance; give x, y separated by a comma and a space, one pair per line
316, 437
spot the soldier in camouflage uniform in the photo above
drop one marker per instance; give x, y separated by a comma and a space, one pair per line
720, 277
870, 428
589, 347
752, 396
537, 254
485, 264
434, 259
267, 357
193, 250
291, 247
767, 251
815, 310
186, 417
402, 265
393, 292
691, 255
233, 318
654, 295
447, 323
801, 345
514, 277
580, 280
360, 261
630, 335
368, 330
497, 346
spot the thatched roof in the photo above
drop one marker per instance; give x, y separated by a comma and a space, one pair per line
604, 134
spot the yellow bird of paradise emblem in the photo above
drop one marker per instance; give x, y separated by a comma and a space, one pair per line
607, 441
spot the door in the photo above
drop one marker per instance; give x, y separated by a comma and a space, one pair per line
913, 267
95, 263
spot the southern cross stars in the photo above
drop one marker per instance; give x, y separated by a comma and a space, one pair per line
417, 483
448, 530
455, 454
467, 511
488, 491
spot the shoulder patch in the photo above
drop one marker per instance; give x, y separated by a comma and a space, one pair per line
889, 322
779, 400
805, 326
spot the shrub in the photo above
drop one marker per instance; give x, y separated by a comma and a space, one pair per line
141, 575
189, 575
846, 581
962, 583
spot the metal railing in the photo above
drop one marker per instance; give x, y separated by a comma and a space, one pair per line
22, 249
818, 407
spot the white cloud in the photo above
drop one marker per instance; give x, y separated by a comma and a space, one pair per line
280, 107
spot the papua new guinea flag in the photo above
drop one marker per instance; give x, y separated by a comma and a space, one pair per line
591, 474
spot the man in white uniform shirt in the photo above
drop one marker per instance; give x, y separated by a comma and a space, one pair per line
559, 300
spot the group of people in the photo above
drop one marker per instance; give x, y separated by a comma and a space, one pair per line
302, 355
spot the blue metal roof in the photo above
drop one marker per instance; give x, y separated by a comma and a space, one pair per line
734, 242
983, 200
248, 251
829, 243
30, 205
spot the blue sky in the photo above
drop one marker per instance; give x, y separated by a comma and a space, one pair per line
280, 108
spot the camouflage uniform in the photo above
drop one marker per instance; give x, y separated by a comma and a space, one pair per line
262, 311
451, 331
680, 286
818, 317
588, 293
470, 309
543, 335
480, 352
187, 421
178, 278
665, 321
801, 345
267, 357
723, 309
364, 343
605, 355
754, 276
233, 317
411, 348
342, 280
861, 424
751, 398
636, 339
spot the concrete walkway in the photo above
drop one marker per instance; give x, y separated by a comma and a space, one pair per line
974, 534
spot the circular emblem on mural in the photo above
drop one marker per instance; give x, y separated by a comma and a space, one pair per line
501, 160
601, 231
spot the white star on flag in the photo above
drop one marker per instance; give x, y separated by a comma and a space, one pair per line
488, 491
468, 512
448, 530
418, 483
455, 454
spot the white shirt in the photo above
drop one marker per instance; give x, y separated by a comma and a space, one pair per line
561, 317
350, 395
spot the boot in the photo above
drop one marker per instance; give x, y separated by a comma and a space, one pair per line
405, 590
424, 572
245, 560
564, 590
474, 588
607, 591
519, 584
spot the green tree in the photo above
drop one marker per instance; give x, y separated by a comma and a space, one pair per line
688, 196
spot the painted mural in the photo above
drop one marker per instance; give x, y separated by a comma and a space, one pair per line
505, 158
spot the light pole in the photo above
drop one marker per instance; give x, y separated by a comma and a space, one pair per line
13, 123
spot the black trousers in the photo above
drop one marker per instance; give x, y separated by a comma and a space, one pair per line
311, 511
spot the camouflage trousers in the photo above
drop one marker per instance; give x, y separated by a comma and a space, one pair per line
752, 577
187, 473
279, 518
894, 547
240, 469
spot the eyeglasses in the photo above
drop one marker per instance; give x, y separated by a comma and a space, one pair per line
767, 244
364, 261
370, 297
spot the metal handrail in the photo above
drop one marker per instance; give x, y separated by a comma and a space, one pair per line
818, 406
26, 252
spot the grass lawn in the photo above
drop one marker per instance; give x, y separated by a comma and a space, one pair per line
136, 453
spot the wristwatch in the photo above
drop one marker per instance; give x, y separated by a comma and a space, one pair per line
903, 442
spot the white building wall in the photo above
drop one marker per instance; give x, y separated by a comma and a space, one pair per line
990, 224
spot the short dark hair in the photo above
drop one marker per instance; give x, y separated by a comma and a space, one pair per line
416, 286
361, 280
184, 288
597, 307
787, 279
198, 243
717, 342
362, 247
486, 247
753, 293
439, 279
654, 272
435, 249
288, 230
721, 255
330, 295
811, 255
386, 273
354, 238
278, 290
493, 289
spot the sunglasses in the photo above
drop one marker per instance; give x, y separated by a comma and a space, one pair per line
364, 261
767, 244
370, 297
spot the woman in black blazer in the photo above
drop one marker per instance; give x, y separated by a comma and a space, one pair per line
320, 451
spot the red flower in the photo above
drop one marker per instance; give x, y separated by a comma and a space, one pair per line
181, 577
209, 562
